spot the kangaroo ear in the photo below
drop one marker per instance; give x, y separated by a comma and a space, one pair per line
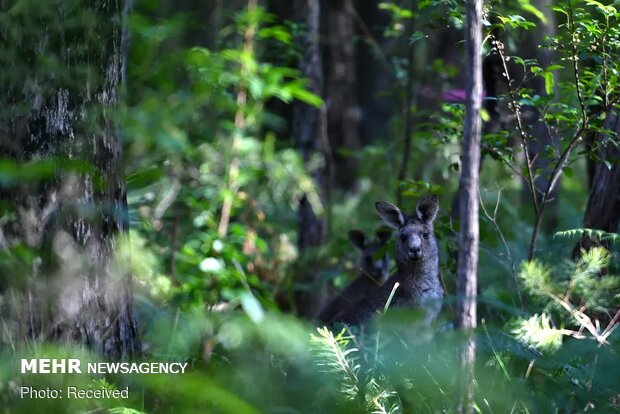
390, 214
427, 208
383, 234
358, 238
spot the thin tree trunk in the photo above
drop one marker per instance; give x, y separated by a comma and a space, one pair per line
467, 274
63, 116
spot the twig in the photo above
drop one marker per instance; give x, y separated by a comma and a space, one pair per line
575, 59
612, 325
493, 220
508, 164
499, 47
555, 175
582, 318
369, 37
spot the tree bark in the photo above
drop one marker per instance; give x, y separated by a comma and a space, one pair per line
309, 131
467, 274
468, 238
63, 116
603, 208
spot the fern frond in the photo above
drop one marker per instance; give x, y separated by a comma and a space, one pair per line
536, 278
592, 233
124, 410
386, 402
335, 357
587, 269
538, 332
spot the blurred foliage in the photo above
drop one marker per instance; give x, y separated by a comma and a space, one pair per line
199, 131
186, 150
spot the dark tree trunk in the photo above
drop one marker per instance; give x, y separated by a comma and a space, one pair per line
309, 131
603, 208
343, 111
467, 275
374, 73
63, 117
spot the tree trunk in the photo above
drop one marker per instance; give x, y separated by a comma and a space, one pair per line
343, 111
603, 208
374, 73
309, 132
467, 274
72, 207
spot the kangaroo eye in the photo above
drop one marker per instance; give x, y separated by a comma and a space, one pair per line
425, 235
403, 236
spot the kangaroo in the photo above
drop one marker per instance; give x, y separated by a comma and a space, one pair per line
417, 263
374, 271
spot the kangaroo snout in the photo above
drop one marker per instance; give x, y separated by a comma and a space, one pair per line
415, 252
415, 248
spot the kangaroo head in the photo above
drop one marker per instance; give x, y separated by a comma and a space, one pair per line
415, 240
374, 261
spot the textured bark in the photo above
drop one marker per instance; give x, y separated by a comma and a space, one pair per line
65, 116
310, 235
307, 122
468, 239
309, 132
467, 274
491, 78
603, 208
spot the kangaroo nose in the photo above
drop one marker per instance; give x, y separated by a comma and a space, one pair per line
414, 249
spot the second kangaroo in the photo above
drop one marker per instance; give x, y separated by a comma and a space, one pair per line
417, 260
374, 271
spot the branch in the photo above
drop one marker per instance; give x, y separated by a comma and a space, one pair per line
240, 123
499, 47
581, 317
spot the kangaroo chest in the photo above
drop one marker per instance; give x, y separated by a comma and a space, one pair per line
413, 290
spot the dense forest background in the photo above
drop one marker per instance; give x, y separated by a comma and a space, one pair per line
179, 181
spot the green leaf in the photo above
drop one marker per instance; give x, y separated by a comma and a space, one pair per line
528, 7
308, 97
549, 82
607, 10
560, 10
554, 67
484, 114
416, 36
